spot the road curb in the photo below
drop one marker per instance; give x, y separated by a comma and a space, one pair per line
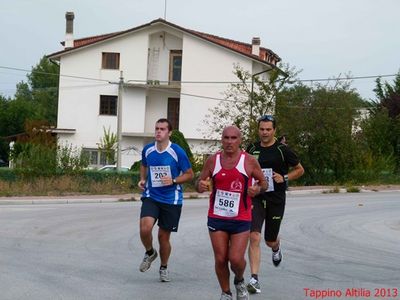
136, 197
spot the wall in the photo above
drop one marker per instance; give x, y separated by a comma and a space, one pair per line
204, 62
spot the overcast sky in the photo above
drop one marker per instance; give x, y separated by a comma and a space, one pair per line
324, 38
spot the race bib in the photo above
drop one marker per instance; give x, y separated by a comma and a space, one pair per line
226, 203
158, 172
268, 176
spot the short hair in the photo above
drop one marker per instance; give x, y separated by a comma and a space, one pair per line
165, 120
267, 118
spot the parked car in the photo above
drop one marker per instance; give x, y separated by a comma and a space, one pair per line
3, 163
113, 168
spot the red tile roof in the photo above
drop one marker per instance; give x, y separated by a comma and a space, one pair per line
266, 55
92, 39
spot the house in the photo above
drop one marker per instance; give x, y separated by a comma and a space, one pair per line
154, 70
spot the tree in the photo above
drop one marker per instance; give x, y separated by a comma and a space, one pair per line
13, 114
243, 105
43, 81
319, 124
35, 100
35, 151
382, 128
177, 137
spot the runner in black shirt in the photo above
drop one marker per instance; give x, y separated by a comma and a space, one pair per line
276, 160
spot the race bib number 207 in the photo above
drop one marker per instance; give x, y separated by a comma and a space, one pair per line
157, 173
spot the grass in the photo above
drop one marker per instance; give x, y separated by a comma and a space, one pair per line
336, 189
353, 189
63, 186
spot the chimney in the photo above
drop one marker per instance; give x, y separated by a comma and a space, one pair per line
255, 46
69, 32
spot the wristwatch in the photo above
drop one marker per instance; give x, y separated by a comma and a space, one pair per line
174, 181
286, 178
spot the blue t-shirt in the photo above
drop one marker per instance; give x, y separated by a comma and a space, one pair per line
171, 162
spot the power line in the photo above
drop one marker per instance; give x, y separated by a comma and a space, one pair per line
202, 82
178, 93
346, 78
53, 74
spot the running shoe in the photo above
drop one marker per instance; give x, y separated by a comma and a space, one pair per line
253, 286
225, 296
164, 275
241, 291
147, 260
277, 257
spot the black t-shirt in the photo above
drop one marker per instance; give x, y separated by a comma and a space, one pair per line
277, 157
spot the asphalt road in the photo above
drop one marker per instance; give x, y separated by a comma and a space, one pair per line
332, 243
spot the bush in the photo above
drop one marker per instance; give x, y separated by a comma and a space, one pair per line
44, 160
7, 175
13, 183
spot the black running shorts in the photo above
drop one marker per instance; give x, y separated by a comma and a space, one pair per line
229, 226
168, 215
270, 209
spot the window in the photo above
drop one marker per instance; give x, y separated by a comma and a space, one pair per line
175, 65
96, 157
173, 112
110, 60
108, 105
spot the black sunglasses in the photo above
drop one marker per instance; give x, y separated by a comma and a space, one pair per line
266, 118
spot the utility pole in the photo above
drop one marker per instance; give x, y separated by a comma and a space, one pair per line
252, 92
119, 119
253, 76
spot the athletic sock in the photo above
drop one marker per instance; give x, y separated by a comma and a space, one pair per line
228, 293
150, 252
236, 281
255, 276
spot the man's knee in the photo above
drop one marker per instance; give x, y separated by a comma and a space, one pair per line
146, 226
164, 235
236, 260
221, 261
255, 238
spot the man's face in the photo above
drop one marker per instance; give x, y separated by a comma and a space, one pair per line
231, 139
161, 132
266, 132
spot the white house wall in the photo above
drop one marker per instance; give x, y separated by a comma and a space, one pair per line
163, 42
157, 104
204, 62
79, 98
133, 110
131, 150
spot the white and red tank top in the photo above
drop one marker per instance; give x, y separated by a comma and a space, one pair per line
229, 199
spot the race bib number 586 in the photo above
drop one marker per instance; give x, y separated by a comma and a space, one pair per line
226, 203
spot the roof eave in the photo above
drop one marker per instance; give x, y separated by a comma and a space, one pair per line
57, 55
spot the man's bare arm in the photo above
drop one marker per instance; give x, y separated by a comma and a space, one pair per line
204, 182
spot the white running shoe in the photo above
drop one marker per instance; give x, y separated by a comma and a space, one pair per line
253, 286
277, 257
225, 296
241, 291
164, 275
147, 260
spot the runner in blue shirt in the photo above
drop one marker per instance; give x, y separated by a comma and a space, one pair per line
165, 166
